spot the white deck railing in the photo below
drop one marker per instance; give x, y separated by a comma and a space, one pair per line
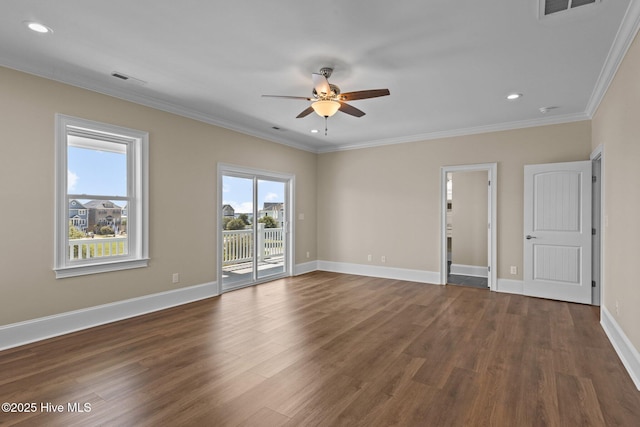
238, 244
97, 247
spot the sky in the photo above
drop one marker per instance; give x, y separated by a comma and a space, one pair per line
237, 192
96, 172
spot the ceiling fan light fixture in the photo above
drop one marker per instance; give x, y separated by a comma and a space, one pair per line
325, 108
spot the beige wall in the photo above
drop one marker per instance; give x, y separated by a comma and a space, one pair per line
183, 158
469, 218
616, 126
385, 200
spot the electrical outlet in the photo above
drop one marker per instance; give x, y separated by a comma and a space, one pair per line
308, 254
175, 278
514, 269
383, 258
369, 258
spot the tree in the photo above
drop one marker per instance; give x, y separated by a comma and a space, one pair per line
225, 221
74, 233
268, 222
235, 224
106, 230
245, 218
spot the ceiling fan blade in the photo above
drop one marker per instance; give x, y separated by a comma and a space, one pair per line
288, 97
364, 94
351, 110
321, 84
305, 113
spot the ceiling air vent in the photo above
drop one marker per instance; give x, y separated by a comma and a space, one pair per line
129, 79
548, 7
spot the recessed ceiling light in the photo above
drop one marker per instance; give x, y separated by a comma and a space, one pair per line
38, 27
314, 130
513, 96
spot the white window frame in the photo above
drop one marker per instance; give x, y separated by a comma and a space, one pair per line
137, 143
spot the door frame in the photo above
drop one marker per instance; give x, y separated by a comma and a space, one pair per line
492, 194
597, 265
289, 228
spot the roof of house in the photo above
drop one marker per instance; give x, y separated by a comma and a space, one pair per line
101, 204
76, 204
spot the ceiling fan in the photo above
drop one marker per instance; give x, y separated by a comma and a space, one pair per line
328, 100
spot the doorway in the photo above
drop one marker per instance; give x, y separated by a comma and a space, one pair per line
467, 247
467, 263
254, 231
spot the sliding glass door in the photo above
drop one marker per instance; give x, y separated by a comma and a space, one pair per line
237, 231
270, 227
254, 234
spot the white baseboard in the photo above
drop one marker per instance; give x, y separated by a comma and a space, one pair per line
510, 286
306, 267
421, 276
469, 270
627, 353
17, 334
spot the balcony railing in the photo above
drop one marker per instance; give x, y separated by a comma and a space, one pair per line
97, 247
238, 245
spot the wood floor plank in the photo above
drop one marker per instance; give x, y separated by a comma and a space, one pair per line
407, 408
459, 392
333, 350
578, 402
393, 381
265, 417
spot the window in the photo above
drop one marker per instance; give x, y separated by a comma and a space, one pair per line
101, 169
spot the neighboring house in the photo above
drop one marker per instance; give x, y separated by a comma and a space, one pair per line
104, 213
228, 211
78, 215
274, 210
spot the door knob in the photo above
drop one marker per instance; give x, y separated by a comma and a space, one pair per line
529, 237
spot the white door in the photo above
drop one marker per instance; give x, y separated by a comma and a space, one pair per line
557, 231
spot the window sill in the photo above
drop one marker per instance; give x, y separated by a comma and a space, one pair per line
83, 270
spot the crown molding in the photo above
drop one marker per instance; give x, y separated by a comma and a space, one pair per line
625, 36
151, 102
498, 127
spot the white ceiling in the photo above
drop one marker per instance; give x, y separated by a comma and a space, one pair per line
449, 65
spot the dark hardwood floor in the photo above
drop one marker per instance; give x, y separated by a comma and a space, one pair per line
332, 350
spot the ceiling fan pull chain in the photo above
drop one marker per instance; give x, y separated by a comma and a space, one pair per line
325, 125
